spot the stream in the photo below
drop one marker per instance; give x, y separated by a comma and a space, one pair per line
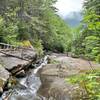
47, 81
27, 87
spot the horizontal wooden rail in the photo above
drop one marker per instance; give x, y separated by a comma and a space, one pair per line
7, 46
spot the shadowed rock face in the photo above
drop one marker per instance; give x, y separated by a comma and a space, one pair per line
4, 75
9, 63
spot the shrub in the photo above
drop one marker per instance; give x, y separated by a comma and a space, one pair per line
38, 46
90, 82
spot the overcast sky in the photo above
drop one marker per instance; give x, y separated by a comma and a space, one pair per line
67, 6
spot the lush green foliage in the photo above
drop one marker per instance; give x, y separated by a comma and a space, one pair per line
60, 36
36, 20
87, 40
33, 20
90, 82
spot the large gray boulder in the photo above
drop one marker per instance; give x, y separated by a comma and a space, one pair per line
9, 62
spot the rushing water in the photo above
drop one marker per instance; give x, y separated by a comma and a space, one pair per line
28, 87
43, 63
26, 90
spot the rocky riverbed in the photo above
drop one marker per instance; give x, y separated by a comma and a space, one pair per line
20, 81
53, 76
13, 66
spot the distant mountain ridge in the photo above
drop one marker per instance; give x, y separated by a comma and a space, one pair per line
73, 19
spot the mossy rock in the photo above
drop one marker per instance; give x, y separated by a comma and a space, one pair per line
12, 81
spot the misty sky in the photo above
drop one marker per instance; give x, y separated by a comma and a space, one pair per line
67, 6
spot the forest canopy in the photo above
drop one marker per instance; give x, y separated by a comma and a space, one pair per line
33, 20
38, 22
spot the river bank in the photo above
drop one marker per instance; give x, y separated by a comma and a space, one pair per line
53, 77
42, 81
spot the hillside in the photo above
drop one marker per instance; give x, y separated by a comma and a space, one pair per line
73, 18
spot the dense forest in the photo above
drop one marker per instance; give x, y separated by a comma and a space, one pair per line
88, 40
37, 21
33, 20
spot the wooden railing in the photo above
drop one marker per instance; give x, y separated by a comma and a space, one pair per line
8, 49
4, 46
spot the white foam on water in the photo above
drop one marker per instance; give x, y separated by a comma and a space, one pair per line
44, 63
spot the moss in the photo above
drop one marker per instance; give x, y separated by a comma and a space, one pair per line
1, 83
38, 47
53, 61
12, 82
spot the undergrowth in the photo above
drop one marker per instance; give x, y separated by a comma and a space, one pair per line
90, 82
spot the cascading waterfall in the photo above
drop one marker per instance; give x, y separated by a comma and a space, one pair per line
44, 63
28, 87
